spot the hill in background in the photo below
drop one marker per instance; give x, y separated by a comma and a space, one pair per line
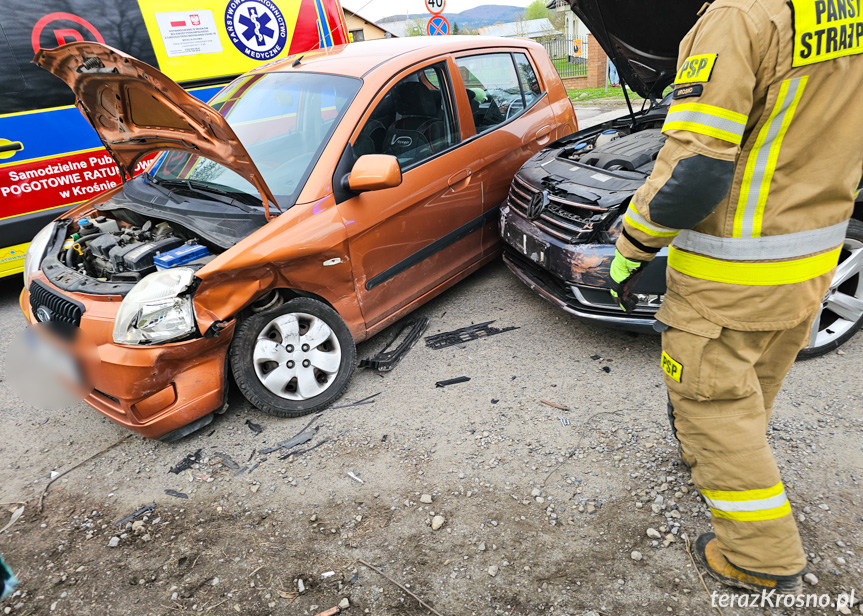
477, 17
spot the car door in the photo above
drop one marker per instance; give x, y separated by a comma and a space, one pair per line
512, 119
407, 240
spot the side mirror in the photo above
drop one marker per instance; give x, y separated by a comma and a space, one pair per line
374, 172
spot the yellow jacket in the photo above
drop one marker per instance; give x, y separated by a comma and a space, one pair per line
756, 182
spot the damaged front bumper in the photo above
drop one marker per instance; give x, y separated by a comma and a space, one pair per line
575, 277
156, 391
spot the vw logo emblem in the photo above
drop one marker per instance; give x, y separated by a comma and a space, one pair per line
537, 205
43, 314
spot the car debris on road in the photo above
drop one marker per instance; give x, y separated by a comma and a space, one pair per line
464, 334
142, 511
186, 463
387, 359
458, 379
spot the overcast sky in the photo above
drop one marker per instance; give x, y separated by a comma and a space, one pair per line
376, 9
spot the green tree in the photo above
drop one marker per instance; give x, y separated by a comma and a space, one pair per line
536, 10
416, 27
455, 29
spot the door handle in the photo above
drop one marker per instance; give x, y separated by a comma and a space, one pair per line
543, 135
8, 148
459, 180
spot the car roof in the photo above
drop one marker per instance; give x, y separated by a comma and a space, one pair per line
359, 59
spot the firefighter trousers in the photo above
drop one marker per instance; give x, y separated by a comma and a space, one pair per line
721, 391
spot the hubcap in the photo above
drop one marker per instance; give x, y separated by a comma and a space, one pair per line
297, 356
842, 305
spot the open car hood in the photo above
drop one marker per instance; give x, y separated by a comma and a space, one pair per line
640, 36
137, 110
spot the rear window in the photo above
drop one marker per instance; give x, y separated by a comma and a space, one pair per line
493, 89
529, 83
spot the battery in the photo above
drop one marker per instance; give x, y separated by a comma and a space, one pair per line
180, 256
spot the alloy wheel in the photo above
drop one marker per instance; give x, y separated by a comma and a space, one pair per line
842, 305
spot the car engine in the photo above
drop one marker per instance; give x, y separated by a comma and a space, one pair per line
108, 251
614, 151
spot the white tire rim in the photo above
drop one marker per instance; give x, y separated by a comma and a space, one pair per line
297, 356
842, 306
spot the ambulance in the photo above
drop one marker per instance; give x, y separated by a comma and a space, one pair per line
50, 157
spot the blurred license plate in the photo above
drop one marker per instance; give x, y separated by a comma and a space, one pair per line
53, 359
529, 246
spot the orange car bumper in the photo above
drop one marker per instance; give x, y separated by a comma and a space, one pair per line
152, 390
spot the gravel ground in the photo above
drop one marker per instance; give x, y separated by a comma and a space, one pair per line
480, 498
532, 516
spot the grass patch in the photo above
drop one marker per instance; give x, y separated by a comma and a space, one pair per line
565, 68
592, 94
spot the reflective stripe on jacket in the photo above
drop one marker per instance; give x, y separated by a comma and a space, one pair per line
757, 179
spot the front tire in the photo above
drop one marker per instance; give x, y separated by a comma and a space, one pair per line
841, 312
293, 360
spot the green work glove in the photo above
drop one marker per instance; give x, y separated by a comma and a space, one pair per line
624, 273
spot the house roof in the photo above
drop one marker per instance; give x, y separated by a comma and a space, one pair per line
530, 28
370, 22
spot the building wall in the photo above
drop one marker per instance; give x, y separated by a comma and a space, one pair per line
370, 31
573, 27
597, 63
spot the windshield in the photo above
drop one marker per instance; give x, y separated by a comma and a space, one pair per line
284, 120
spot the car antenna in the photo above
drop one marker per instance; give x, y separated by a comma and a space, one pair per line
622, 80
296, 62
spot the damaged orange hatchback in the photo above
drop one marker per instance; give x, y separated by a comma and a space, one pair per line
315, 201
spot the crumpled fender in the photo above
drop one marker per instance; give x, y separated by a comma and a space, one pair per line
287, 253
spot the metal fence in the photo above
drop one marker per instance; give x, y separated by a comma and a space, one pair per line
568, 55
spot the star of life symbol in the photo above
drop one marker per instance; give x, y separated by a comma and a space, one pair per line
256, 27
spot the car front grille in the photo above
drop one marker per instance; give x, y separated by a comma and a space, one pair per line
48, 305
564, 219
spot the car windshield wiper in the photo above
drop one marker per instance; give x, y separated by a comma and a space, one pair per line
239, 200
152, 181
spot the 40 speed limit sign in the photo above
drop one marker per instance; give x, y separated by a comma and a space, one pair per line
435, 7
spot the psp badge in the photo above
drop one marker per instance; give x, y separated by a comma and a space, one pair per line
256, 27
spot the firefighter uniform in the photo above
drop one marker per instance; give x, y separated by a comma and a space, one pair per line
752, 193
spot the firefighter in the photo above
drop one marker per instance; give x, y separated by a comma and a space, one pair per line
752, 193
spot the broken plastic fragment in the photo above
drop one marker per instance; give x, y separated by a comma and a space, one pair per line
465, 334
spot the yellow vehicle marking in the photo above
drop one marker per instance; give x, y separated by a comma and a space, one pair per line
52, 156
12, 259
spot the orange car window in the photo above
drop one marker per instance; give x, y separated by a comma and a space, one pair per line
413, 121
529, 83
493, 89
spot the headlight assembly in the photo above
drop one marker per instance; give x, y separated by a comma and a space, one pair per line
155, 310
36, 252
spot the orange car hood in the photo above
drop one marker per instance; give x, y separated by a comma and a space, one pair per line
137, 110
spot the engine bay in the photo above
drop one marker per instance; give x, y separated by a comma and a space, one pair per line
114, 250
615, 150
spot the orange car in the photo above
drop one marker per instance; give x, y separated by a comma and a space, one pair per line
317, 200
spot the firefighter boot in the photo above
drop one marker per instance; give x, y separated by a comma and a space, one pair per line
708, 556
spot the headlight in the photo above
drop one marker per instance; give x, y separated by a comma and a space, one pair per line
154, 312
36, 252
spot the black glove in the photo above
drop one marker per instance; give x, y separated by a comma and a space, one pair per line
624, 272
